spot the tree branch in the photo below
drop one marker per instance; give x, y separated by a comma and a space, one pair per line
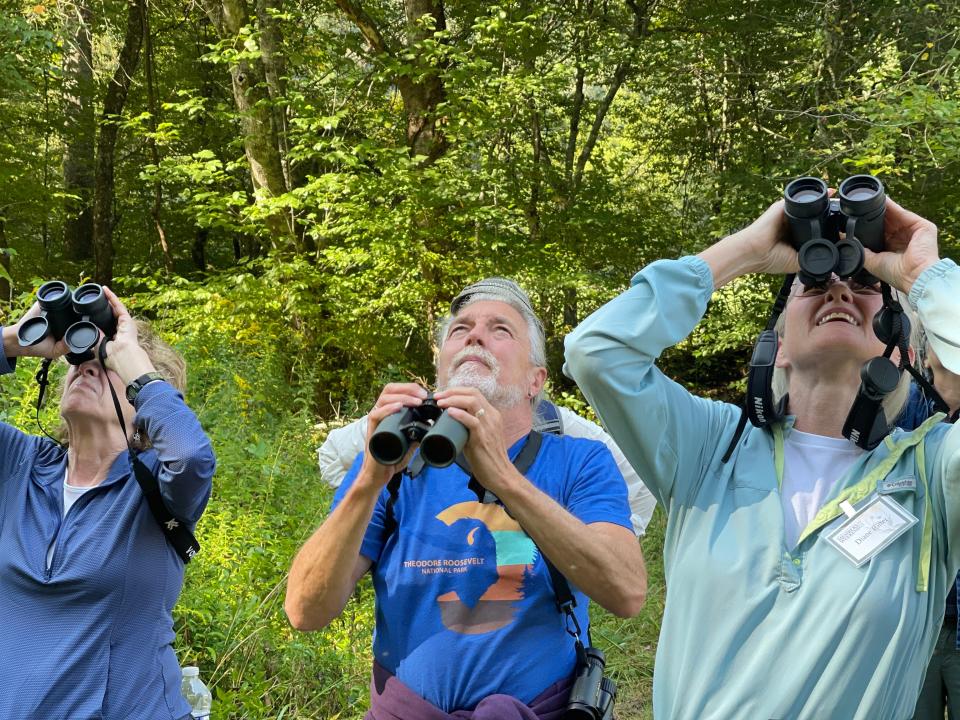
641, 23
575, 111
365, 24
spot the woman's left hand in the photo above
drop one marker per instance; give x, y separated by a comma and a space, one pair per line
910, 248
124, 354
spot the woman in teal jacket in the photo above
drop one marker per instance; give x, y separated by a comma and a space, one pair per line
765, 617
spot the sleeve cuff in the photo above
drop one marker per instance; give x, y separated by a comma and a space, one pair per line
152, 390
932, 273
7, 364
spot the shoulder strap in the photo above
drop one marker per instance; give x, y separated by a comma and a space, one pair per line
393, 492
548, 418
175, 530
565, 599
528, 453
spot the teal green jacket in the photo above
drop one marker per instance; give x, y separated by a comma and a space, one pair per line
753, 629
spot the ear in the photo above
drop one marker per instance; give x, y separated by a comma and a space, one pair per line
538, 376
911, 355
781, 360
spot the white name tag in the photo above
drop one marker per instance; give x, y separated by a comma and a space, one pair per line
870, 529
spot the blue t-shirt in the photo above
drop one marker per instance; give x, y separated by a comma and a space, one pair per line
465, 607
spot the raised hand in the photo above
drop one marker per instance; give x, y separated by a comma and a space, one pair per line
910, 248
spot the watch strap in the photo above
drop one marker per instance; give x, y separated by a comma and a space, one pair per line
135, 386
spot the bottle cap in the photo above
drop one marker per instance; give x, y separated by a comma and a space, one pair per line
191, 671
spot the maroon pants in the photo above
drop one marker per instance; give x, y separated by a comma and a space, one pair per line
390, 699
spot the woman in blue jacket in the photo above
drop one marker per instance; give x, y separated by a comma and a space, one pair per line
88, 579
774, 609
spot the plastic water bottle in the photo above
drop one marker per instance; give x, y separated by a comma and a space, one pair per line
196, 693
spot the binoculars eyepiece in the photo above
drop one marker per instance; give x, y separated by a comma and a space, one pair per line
816, 221
75, 316
441, 437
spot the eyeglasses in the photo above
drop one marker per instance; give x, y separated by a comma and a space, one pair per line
857, 288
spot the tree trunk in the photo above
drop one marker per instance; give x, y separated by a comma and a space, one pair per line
113, 104
257, 124
423, 92
79, 131
422, 88
154, 151
199, 250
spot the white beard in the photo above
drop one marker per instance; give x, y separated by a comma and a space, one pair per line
487, 381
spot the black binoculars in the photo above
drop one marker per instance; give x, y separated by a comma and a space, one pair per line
75, 316
441, 437
816, 221
592, 695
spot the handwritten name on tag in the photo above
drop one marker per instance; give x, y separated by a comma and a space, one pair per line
870, 529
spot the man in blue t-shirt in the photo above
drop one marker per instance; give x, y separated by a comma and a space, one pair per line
466, 615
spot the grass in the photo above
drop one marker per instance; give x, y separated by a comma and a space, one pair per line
230, 618
268, 498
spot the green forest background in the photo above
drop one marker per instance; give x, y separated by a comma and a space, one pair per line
294, 191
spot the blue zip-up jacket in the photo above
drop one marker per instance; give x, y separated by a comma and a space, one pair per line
91, 638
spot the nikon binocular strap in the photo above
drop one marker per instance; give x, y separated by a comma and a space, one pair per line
885, 327
759, 406
176, 531
865, 424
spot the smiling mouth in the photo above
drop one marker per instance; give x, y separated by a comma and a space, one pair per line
838, 317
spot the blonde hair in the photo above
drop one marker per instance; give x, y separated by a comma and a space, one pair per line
894, 403
165, 359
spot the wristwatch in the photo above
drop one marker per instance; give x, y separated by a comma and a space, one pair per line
135, 386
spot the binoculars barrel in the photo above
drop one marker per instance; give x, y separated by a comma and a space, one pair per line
863, 199
441, 437
55, 314
806, 197
445, 441
592, 696
91, 305
816, 221
76, 317
389, 444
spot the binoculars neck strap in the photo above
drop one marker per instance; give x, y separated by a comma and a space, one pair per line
759, 406
565, 599
43, 380
174, 529
865, 424
780, 302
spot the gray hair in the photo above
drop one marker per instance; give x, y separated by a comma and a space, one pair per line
505, 291
894, 403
